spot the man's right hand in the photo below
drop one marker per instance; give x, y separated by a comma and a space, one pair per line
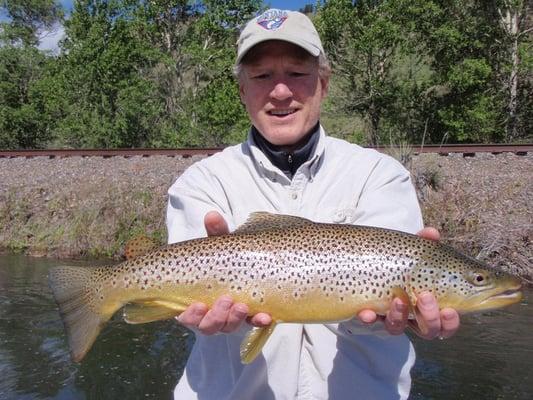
225, 315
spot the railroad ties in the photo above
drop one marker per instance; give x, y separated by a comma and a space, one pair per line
467, 150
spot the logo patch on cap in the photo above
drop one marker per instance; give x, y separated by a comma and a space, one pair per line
272, 19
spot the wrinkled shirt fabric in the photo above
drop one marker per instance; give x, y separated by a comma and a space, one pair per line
339, 183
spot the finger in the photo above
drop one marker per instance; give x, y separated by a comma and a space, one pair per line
450, 322
237, 315
260, 320
429, 311
216, 317
429, 233
396, 318
215, 224
192, 316
367, 316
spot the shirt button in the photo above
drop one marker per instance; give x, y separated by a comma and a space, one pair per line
294, 196
339, 217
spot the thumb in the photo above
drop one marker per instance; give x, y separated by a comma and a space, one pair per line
215, 224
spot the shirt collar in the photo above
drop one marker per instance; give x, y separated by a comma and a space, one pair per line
271, 158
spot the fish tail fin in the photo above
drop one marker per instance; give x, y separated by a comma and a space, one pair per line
82, 311
254, 341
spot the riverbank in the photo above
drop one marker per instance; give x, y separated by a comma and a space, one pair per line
90, 207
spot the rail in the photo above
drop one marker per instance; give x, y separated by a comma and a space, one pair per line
467, 150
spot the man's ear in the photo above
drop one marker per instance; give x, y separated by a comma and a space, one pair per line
324, 82
241, 91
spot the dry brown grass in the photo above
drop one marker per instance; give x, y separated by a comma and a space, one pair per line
482, 206
90, 207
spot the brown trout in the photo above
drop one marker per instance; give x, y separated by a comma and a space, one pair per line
294, 269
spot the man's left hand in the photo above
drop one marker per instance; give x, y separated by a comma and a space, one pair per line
439, 323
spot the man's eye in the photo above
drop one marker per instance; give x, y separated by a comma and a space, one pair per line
298, 74
260, 76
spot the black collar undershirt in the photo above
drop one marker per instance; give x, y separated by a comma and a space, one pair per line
288, 161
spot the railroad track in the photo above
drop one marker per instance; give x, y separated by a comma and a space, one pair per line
468, 150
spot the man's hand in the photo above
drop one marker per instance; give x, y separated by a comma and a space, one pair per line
440, 323
225, 315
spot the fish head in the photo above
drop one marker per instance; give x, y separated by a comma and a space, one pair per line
467, 285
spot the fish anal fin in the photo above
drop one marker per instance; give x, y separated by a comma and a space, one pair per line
254, 341
150, 311
139, 246
262, 221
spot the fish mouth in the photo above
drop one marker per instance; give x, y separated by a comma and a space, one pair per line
512, 293
508, 296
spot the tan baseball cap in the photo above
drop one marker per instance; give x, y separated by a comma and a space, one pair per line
289, 26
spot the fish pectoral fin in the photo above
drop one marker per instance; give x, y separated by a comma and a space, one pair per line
150, 311
254, 341
399, 292
418, 325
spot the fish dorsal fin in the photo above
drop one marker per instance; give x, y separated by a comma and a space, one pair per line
139, 246
254, 341
264, 221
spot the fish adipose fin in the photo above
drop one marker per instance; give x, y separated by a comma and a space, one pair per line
140, 313
82, 312
254, 341
417, 324
265, 221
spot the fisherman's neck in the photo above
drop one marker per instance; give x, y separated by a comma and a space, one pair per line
288, 158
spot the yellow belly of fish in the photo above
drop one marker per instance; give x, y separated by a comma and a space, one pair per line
281, 304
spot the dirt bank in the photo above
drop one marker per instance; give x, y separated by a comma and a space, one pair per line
76, 207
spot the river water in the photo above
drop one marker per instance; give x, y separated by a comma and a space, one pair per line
490, 358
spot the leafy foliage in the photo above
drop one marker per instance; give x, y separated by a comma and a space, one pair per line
430, 71
158, 73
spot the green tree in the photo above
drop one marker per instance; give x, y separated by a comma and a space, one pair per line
440, 70
194, 76
152, 73
365, 41
23, 124
28, 19
516, 77
216, 116
110, 101
463, 45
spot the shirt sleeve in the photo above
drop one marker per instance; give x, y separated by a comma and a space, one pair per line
388, 199
193, 194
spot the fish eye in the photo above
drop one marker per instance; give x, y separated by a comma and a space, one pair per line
479, 279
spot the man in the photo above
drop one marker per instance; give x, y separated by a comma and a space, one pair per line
289, 165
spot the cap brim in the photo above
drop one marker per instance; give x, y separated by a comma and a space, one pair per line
310, 48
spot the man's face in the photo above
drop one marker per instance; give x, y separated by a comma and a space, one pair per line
282, 91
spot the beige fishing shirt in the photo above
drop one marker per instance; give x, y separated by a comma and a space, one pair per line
340, 183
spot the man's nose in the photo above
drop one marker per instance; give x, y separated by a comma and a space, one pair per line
281, 91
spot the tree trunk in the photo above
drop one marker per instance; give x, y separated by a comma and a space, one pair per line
510, 19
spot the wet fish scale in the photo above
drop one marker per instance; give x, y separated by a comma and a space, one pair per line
338, 262
294, 269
